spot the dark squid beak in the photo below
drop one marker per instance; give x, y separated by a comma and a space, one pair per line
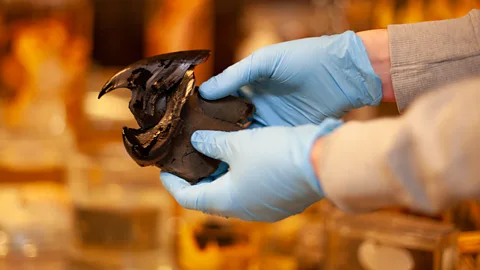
160, 87
107, 88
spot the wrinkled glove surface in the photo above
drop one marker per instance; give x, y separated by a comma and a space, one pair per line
302, 81
270, 176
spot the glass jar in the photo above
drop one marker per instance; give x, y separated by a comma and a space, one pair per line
389, 240
44, 54
120, 212
469, 250
29, 240
310, 244
212, 243
278, 244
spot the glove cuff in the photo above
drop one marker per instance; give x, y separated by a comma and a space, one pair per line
368, 82
325, 128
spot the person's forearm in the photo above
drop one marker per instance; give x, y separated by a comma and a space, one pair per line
425, 160
413, 59
377, 46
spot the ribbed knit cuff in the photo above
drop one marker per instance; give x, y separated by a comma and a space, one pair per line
425, 56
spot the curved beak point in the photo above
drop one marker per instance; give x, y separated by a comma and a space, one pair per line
108, 87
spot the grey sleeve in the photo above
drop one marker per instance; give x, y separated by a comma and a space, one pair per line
425, 56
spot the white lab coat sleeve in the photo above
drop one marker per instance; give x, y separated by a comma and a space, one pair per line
426, 160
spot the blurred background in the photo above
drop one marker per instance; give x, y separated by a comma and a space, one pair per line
70, 196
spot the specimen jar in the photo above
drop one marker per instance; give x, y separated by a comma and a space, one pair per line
44, 54
389, 240
120, 212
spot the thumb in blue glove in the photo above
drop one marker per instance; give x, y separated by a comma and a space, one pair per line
270, 176
302, 81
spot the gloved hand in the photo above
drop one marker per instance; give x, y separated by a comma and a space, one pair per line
270, 177
302, 81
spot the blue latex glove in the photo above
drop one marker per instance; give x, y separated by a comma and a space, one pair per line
270, 176
302, 81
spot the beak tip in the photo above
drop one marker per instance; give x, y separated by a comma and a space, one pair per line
106, 88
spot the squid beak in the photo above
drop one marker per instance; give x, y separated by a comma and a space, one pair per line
106, 88
119, 80
147, 146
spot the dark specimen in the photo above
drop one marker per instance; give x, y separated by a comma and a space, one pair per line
168, 108
219, 233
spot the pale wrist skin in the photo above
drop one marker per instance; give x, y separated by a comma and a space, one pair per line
377, 45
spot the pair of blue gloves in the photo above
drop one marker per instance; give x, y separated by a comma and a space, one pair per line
299, 89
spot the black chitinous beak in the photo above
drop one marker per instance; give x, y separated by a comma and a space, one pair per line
168, 109
150, 81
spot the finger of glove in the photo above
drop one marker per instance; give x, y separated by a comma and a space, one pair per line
186, 195
208, 197
212, 143
227, 82
175, 186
